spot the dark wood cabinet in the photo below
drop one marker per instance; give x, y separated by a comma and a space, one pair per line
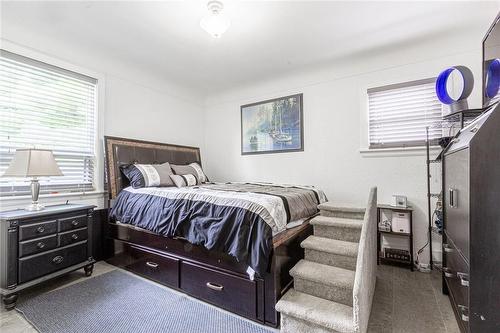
471, 237
38, 246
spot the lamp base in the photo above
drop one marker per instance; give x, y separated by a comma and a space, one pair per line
35, 207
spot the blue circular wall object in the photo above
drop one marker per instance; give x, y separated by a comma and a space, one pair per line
493, 78
441, 83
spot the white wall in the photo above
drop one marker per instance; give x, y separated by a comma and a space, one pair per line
133, 104
335, 129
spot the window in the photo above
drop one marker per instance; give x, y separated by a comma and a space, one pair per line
399, 114
44, 106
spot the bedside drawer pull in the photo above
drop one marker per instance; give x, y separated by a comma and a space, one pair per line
58, 260
464, 312
74, 236
215, 286
152, 264
40, 245
447, 272
75, 223
40, 229
447, 248
464, 279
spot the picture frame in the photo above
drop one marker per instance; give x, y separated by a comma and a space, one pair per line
273, 126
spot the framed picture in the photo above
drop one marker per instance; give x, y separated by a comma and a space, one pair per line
272, 126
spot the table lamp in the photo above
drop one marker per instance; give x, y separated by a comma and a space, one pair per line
33, 163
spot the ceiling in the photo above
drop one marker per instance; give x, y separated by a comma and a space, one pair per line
265, 38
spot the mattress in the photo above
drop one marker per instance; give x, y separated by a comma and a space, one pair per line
238, 219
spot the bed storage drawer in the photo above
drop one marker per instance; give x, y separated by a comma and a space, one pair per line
157, 267
47, 262
227, 291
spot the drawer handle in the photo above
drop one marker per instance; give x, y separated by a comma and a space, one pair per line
74, 236
452, 198
464, 279
40, 245
464, 312
40, 229
57, 260
152, 264
447, 248
215, 286
74, 223
447, 272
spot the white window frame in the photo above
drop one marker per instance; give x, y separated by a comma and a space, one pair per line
98, 177
388, 150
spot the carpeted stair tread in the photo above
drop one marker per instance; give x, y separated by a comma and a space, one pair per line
337, 222
328, 314
324, 274
333, 246
332, 208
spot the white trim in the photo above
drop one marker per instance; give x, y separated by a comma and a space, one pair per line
99, 116
408, 151
94, 198
53, 195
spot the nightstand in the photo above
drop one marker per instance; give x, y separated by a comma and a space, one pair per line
403, 257
36, 246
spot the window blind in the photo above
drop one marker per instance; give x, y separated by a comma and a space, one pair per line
44, 106
399, 114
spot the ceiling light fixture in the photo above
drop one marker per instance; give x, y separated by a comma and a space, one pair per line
215, 23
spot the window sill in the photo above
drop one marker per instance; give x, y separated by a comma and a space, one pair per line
89, 194
409, 151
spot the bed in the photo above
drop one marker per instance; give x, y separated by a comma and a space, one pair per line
229, 244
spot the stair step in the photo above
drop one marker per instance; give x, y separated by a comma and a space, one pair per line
328, 282
331, 252
329, 209
344, 229
326, 314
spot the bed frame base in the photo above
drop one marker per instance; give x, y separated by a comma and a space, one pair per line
212, 277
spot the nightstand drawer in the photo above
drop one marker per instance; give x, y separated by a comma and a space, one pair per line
37, 245
73, 222
44, 263
72, 236
37, 229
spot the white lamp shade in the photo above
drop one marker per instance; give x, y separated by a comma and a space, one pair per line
33, 163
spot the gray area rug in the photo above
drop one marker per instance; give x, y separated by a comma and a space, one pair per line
119, 302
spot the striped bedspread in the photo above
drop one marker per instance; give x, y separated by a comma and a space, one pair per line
238, 219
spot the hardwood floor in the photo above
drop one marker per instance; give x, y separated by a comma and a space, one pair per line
404, 301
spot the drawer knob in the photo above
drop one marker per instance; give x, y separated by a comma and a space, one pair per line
447, 248
40, 229
215, 286
464, 312
74, 223
152, 264
447, 272
57, 260
40, 245
74, 236
464, 278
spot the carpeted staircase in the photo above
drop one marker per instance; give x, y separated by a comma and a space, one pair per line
334, 284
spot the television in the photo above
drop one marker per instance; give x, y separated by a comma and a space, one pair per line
491, 64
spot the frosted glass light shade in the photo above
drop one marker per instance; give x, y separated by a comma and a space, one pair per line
215, 24
33, 163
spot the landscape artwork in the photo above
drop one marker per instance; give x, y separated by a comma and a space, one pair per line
272, 126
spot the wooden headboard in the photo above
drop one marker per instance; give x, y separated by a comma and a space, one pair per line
121, 151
